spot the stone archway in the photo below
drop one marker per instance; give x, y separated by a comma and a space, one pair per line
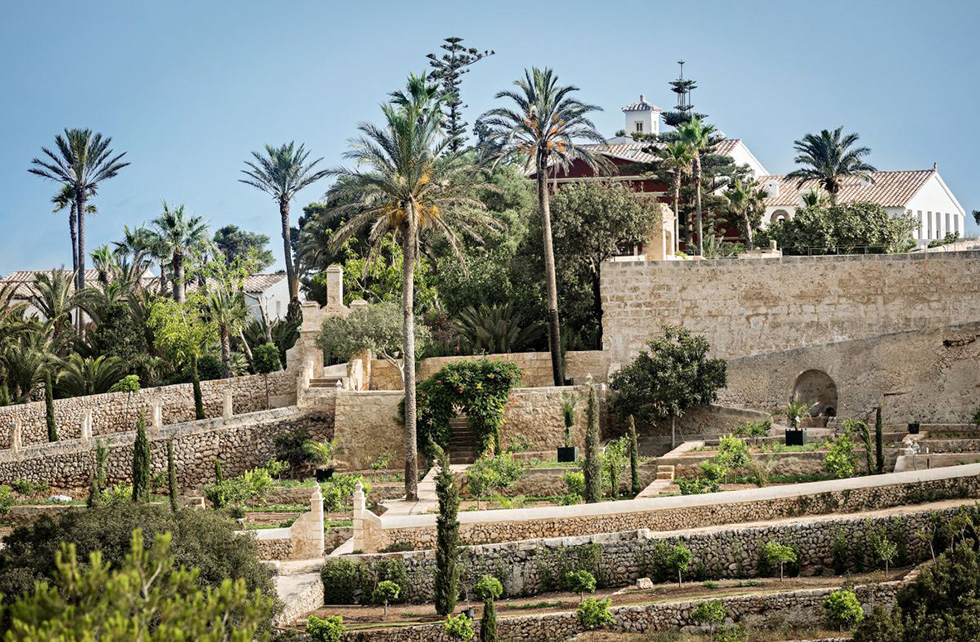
817, 386
778, 216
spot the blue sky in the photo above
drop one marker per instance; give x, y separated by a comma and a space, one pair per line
188, 88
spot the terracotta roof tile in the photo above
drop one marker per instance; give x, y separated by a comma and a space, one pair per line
888, 189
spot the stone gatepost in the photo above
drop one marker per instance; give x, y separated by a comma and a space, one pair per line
360, 507
316, 508
86, 425
156, 413
227, 404
16, 437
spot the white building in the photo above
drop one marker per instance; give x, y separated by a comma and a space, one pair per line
268, 292
920, 193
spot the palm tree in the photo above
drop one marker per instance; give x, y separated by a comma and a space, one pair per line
83, 160
89, 376
814, 197
175, 235
406, 180
54, 296
742, 201
828, 158
696, 135
25, 362
281, 173
65, 198
226, 309
676, 159
104, 261
542, 132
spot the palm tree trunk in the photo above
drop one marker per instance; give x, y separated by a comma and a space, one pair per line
225, 352
747, 226
697, 202
677, 203
178, 267
554, 331
288, 255
73, 231
80, 213
409, 244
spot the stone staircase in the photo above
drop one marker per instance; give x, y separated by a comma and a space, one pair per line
325, 382
462, 443
665, 472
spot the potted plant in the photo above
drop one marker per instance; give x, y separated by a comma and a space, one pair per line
320, 455
795, 411
914, 428
568, 453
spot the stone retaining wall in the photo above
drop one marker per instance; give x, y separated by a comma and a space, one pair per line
118, 411
242, 442
531, 567
791, 609
674, 513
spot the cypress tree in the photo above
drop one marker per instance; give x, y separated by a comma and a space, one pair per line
593, 466
49, 407
634, 459
141, 463
98, 479
4, 394
488, 623
879, 446
217, 471
447, 538
172, 476
198, 397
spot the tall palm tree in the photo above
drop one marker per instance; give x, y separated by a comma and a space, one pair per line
696, 135
65, 199
405, 180
176, 235
542, 130
741, 200
829, 157
82, 160
281, 173
226, 309
676, 159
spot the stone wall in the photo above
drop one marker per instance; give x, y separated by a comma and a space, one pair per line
929, 376
242, 442
754, 307
367, 423
793, 609
531, 567
702, 422
673, 513
118, 411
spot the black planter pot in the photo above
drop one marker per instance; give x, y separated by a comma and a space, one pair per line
323, 474
795, 437
567, 455
914, 428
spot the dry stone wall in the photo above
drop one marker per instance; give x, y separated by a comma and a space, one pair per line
242, 442
754, 307
118, 411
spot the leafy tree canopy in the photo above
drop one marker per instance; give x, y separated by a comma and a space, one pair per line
235, 243
377, 328
842, 229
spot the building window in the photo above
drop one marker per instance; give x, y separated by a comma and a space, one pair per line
639, 127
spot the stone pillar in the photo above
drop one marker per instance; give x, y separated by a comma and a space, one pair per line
86, 425
360, 507
156, 415
316, 508
227, 404
335, 286
16, 438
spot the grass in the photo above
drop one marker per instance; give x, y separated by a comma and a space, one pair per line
503, 606
278, 508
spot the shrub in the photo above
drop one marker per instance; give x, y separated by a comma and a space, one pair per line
252, 484
733, 453
338, 491
488, 589
129, 383
841, 461
776, 554
349, 582
580, 582
615, 458
330, 629
679, 560
289, 448
493, 474
843, 609
458, 627
710, 613
594, 614
574, 483
266, 358
6, 500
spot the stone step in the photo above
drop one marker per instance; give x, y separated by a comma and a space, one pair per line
665, 472
324, 382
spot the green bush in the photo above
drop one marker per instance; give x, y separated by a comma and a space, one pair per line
711, 613
574, 483
841, 460
493, 474
594, 614
129, 383
488, 588
843, 609
266, 358
289, 448
338, 491
458, 627
349, 582
251, 485
6, 500
330, 629
580, 582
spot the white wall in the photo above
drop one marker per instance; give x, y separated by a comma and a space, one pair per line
275, 301
937, 210
649, 119
742, 156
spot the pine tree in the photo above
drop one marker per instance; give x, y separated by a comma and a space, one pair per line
447, 538
141, 463
448, 71
198, 396
49, 407
684, 110
879, 446
172, 477
593, 465
634, 459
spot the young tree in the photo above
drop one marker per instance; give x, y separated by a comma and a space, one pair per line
282, 172
237, 244
543, 131
182, 335
147, 598
884, 549
679, 559
594, 614
448, 70
776, 554
406, 183
593, 464
828, 158
81, 161
634, 459
488, 589
141, 463
673, 376
615, 457
386, 592
580, 582
98, 477
172, 477
49, 416
448, 570
879, 444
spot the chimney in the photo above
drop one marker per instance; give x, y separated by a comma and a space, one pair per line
935, 166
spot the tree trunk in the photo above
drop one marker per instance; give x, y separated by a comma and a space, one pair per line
287, 245
697, 202
178, 275
73, 231
225, 352
677, 215
747, 226
80, 213
409, 244
554, 330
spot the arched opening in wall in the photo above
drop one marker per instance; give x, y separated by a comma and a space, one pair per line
779, 215
817, 387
